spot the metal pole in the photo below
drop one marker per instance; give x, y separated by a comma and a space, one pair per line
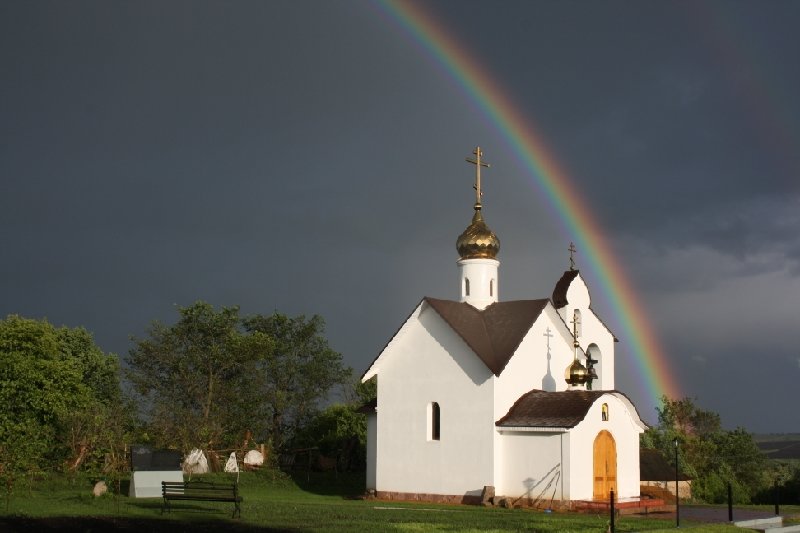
611, 496
777, 499
730, 502
677, 495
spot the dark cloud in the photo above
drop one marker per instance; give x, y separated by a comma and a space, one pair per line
307, 157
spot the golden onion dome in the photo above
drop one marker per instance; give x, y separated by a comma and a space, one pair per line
576, 373
478, 241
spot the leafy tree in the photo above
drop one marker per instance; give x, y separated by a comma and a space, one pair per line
297, 374
358, 394
193, 376
710, 455
340, 430
212, 376
48, 376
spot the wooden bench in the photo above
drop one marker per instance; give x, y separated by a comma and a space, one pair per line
201, 491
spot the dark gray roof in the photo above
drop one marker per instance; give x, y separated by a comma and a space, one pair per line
539, 408
560, 292
494, 334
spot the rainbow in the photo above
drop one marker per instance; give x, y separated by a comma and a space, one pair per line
550, 178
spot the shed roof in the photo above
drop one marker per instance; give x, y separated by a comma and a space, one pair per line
538, 408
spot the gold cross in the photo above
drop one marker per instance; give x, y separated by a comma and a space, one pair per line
572, 250
478, 164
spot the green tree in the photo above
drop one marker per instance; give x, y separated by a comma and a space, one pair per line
297, 374
359, 393
338, 431
192, 377
48, 376
710, 455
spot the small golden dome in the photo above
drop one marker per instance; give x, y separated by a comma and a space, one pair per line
478, 241
576, 373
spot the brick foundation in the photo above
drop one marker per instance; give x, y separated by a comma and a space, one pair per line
433, 498
624, 507
467, 499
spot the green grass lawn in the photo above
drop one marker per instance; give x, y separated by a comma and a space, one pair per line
276, 502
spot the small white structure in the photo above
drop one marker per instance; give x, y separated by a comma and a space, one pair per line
232, 465
147, 484
195, 462
253, 458
151, 467
517, 395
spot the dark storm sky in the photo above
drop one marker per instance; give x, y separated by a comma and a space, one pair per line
308, 157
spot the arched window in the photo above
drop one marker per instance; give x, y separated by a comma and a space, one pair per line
594, 363
605, 412
466, 286
491, 287
435, 422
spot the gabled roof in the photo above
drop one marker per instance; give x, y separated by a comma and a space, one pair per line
391, 340
560, 295
495, 333
538, 408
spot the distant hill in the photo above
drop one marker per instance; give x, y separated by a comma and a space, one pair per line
784, 446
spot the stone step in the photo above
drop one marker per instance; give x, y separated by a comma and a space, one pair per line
773, 523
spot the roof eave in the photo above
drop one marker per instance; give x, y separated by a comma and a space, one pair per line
533, 429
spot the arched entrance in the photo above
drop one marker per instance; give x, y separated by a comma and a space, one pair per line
605, 465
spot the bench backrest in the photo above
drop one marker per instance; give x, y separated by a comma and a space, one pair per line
200, 489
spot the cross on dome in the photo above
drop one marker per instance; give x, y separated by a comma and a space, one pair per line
478, 241
478, 164
572, 251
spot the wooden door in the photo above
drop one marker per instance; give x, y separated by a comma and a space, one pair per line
605, 465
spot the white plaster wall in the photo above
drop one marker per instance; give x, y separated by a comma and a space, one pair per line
529, 461
483, 281
625, 427
592, 331
528, 368
430, 363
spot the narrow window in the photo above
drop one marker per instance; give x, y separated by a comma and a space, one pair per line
466, 286
434, 421
491, 287
605, 412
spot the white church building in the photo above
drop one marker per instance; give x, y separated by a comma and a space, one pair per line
517, 395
